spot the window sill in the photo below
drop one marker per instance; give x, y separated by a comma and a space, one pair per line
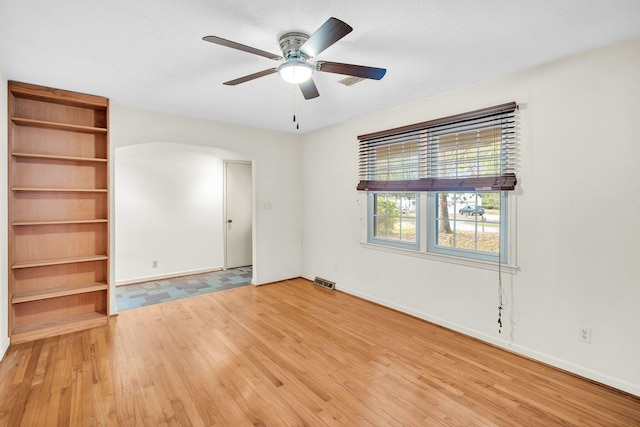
485, 265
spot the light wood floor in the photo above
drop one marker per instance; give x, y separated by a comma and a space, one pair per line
288, 354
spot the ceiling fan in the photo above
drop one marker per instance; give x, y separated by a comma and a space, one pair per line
297, 48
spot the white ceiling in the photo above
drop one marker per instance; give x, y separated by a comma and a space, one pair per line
150, 53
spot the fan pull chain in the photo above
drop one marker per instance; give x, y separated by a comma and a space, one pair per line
297, 113
295, 96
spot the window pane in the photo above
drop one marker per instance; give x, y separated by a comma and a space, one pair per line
395, 217
408, 228
469, 221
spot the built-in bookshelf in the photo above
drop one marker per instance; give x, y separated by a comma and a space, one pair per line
58, 211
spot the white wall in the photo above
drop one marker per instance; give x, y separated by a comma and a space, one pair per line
578, 268
276, 174
4, 279
168, 208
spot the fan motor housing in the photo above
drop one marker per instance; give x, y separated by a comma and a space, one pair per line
291, 42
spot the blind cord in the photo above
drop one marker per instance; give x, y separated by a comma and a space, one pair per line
501, 296
500, 299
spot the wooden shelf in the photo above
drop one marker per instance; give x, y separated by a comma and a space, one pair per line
58, 126
62, 190
58, 207
50, 328
57, 292
63, 158
72, 221
58, 261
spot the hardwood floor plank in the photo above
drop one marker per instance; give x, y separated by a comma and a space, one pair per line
289, 354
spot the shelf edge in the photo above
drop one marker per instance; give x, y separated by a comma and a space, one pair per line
58, 261
20, 121
57, 157
51, 328
61, 190
23, 297
62, 222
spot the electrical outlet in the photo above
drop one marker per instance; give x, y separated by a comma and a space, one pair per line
154, 263
585, 335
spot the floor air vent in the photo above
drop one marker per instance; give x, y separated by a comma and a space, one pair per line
324, 283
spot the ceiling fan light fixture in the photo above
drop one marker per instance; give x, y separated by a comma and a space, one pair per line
295, 70
297, 48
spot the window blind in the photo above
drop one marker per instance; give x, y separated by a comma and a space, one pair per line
474, 151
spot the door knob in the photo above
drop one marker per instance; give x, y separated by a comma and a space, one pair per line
229, 221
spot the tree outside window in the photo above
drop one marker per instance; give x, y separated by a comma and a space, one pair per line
394, 217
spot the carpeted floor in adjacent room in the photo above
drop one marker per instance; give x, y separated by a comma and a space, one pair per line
154, 292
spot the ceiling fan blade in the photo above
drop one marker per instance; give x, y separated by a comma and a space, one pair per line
251, 77
244, 48
309, 89
351, 70
329, 33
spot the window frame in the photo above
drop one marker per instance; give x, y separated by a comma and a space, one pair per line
509, 266
372, 238
432, 233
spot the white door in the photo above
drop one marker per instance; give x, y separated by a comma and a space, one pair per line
238, 214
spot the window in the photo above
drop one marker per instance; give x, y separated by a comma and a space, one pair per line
470, 225
464, 165
394, 219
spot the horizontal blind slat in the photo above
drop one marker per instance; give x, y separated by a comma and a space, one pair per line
495, 110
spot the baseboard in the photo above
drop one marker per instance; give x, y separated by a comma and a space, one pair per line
561, 364
581, 371
6, 342
166, 276
273, 279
